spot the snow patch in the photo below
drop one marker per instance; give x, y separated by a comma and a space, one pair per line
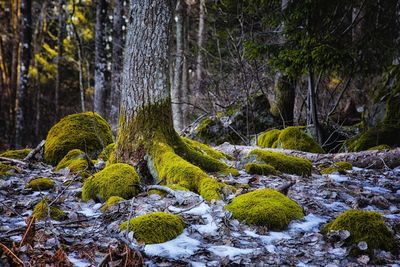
310, 223
338, 178
231, 252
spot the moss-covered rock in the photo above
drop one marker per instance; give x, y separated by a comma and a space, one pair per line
85, 131
106, 153
41, 211
265, 207
203, 148
111, 201
40, 184
269, 138
380, 147
115, 180
368, 226
156, 227
76, 162
341, 167
16, 154
261, 169
6, 170
384, 134
282, 162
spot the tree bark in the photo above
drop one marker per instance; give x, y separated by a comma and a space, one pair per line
60, 48
117, 50
283, 105
312, 113
21, 103
200, 44
100, 68
14, 65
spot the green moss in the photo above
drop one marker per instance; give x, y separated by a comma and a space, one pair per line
344, 165
368, 226
203, 148
296, 139
85, 131
41, 211
115, 180
76, 162
261, 169
105, 154
268, 138
16, 154
6, 170
229, 171
156, 227
265, 207
380, 147
383, 134
340, 167
40, 184
163, 193
283, 163
110, 202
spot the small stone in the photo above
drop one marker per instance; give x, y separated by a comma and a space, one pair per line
362, 245
380, 202
363, 259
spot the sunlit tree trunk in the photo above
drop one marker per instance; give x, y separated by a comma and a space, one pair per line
21, 103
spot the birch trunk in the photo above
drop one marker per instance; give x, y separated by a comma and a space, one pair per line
117, 49
100, 68
60, 48
200, 44
21, 103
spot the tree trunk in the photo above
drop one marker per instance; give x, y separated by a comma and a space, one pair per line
14, 65
117, 49
200, 44
100, 68
283, 106
312, 114
60, 48
21, 103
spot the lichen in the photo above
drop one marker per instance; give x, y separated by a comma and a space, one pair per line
76, 162
85, 131
41, 211
6, 170
368, 226
16, 154
106, 153
40, 184
265, 207
383, 134
111, 201
283, 163
155, 227
261, 169
341, 167
115, 180
268, 138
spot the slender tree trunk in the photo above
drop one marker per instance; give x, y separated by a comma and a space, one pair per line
78, 42
21, 103
312, 113
100, 68
200, 44
283, 106
117, 49
14, 65
60, 48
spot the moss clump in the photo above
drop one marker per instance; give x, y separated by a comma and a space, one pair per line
380, 147
115, 180
203, 148
229, 171
340, 167
283, 163
40, 184
106, 153
76, 162
261, 169
163, 193
156, 227
368, 226
384, 134
265, 207
6, 170
86, 131
41, 211
269, 138
111, 201
16, 154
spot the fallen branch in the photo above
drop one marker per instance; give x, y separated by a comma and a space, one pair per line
35, 151
13, 161
11, 255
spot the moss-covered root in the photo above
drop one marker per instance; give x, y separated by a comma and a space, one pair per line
341, 167
86, 131
115, 180
107, 151
16, 154
163, 193
77, 162
156, 227
42, 211
261, 169
283, 163
40, 184
265, 207
368, 226
111, 201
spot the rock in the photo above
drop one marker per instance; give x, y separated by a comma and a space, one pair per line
363, 259
362, 245
380, 202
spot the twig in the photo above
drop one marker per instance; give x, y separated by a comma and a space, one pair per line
35, 151
15, 161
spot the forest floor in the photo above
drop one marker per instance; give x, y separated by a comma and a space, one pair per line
90, 237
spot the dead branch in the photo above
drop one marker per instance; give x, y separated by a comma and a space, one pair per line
35, 151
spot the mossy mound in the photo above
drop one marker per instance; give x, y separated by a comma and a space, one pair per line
6, 170
261, 169
85, 131
341, 167
368, 226
163, 193
115, 180
106, 153
283, 163
388, 135
41, 211
111, 201
156, 227
40, 184
265, 207
16, 154
380, 147
203, 148
76, 162
294, 138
